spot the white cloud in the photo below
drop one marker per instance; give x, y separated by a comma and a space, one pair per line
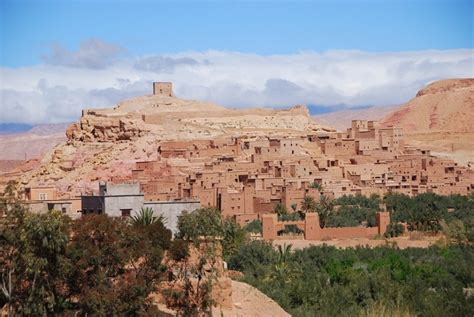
55, 93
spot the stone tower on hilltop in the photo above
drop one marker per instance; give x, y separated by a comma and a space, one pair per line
163, 89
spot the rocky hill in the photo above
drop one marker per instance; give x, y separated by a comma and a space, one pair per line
440, 118
446, 105
106, 143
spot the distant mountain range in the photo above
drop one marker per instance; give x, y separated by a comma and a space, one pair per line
323, 109
39, 129
7, 128
20, 141
341, 119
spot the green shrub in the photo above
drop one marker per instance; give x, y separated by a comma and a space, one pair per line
394, 230
179, 250
294, 216
290, 229
255, 226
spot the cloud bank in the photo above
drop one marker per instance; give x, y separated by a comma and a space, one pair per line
97, 75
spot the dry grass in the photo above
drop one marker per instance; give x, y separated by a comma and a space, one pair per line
383, 310
417, 235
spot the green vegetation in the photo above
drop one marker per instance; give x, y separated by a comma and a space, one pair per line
453, 214
200, 224
325, 209
206, 224
205, 229
254, 226
146, 217
309, 204
295, 216
290, 229
96, 265
394, 230
351, 211
325, 281
317, 186
284, 215
280, 209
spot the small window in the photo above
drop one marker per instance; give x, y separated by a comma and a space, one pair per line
126, 212
43, 196
63, 210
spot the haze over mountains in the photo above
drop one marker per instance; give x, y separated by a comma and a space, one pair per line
32, 143
341, 120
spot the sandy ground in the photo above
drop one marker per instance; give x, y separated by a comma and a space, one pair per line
402, 242
248, 301
457, 146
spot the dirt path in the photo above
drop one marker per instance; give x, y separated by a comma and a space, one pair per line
402, 242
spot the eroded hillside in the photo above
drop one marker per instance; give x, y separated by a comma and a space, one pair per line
440, 118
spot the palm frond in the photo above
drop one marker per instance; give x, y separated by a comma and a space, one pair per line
146, 217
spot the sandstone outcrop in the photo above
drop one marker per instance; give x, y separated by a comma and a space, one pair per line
103, 129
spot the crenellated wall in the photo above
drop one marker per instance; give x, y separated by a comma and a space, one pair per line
313, 231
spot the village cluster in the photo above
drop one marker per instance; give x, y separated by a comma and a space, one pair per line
246, 177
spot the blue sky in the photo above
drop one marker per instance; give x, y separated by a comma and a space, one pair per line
262, 27
59, 57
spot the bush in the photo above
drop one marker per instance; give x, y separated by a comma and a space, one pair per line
362, 281
255, 226
290, 229
280, 209
354, 210
251, 255
394, 230
294, 216
454, 230
234, 237
201, 223
179, 250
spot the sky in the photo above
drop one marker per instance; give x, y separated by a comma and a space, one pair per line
58, 57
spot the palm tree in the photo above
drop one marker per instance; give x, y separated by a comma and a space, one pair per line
324, 208
280, 209
283, 272
284, 252
309, 204
317, 186
146, 217
294, 206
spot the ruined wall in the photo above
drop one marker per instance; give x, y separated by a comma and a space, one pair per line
313, 231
